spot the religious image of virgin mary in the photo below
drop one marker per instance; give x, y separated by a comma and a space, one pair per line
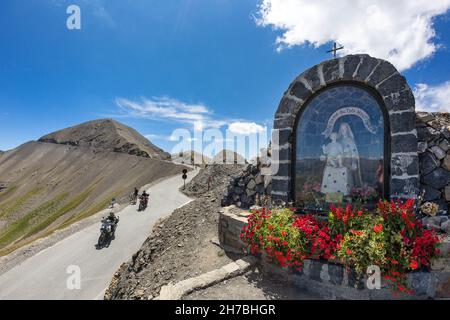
350, 153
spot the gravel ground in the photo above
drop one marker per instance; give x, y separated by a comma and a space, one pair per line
251, 286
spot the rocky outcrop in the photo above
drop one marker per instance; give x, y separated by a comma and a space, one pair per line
247, 189
212, 176
107, 135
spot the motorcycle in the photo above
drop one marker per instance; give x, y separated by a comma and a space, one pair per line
143, 203
107, 231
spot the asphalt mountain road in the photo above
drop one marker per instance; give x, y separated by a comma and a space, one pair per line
51, 274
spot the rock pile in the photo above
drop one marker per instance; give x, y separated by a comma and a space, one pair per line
433, 130
212, 176
245, 189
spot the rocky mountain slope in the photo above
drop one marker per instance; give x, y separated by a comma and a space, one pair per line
216, 173
46, 186
107, 135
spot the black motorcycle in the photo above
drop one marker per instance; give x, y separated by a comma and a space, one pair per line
107, 231
143, 203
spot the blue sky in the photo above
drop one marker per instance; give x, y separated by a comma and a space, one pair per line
153, 64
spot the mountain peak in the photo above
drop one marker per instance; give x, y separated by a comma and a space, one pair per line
106, 135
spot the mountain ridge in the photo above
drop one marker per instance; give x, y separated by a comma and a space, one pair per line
106, 135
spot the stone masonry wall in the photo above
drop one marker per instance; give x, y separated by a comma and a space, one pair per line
244, 191
433, 130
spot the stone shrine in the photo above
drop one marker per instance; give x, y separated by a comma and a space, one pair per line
345, 131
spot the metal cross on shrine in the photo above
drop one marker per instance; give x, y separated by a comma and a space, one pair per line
335, 50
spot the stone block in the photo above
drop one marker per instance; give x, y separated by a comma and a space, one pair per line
312, 76
336, 273
403, 122
382, 72
422, 147
437, 179
284, 136
395, 83
315, 270
428, 163
427, 134
404, 164
287, 106
281, 154
366, 67
430, 194
404, 143
445, 145
355, 281
446, 192
281, 185
251, 184
400, 101
350, 65
446, 163
408, 187
330, 71
438, 152
300, 91
284, 170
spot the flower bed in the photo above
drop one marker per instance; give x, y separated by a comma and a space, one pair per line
389, 237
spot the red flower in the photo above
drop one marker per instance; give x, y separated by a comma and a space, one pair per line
378, 228
270, 227
360, 213
414, 265
348, 251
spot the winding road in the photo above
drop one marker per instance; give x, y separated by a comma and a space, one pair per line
54, 272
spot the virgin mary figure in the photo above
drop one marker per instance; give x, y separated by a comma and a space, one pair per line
350, 157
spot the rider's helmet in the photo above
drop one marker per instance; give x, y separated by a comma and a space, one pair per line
111, 214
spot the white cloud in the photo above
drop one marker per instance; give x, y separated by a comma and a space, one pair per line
433, 98
245, 128
170, 109
400, 31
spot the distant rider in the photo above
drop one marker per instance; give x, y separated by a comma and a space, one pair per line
135, 194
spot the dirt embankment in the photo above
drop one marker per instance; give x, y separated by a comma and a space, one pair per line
181, 246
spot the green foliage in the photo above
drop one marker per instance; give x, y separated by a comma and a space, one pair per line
365, 247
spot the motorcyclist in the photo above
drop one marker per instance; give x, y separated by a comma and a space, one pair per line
113, 220
144, 198
135, 195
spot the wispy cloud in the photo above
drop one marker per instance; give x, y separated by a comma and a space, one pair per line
433, 98
197, 115
401, 31
169, 109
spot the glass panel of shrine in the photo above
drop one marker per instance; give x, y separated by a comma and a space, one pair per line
340, 149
